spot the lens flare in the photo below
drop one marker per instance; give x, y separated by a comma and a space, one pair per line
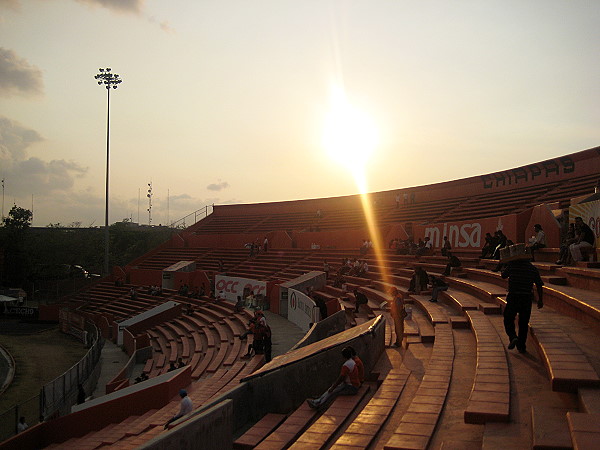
350, 137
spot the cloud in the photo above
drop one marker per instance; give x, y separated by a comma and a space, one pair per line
17, 76
13, 5
218, 186
34, 176
120, 6
14, 139
30, 175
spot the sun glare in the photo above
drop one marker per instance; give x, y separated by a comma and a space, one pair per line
349, 135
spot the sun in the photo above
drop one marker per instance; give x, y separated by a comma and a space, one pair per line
349, 135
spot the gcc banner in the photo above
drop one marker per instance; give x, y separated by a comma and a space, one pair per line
302, 310
234, 286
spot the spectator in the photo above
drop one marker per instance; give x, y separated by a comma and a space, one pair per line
22, 425
361, 299
347, 383
522, 275
172, 367
419, 280
258, 344
405, 198
80, 394
180, 363
446, 247
501, 242
425, 249
398, 201
186, 407
488, 247
133, 293
537, 241
339, 280
326, 269
398, 314
190, 310
364, 247
267, 343
221, 297
221, 265
564, 256
239, 304
251, 300
265, 245
322, 307
584, 239
437, 285
363, 269
453, 261
258, 317
359, 364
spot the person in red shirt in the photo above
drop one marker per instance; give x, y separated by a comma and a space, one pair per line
359, 364
347, 383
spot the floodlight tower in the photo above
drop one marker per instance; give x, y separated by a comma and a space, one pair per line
149, 195
109, 80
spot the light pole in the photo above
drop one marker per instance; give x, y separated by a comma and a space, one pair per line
149, 195
110, 80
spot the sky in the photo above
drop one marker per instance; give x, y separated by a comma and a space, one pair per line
226, 101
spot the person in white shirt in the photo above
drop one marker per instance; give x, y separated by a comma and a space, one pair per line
537, 241
251, 300
185, 407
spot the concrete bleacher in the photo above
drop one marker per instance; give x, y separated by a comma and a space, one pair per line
452, 384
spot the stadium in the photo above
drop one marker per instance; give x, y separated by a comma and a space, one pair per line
451, 383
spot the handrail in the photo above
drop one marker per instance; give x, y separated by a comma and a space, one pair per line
180, 223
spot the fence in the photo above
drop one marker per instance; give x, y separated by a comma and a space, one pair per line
197, 215
56, 398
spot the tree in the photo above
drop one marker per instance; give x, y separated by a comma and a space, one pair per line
15, 228
18, 219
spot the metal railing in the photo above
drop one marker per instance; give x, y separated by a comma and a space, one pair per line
56, 397
197, 215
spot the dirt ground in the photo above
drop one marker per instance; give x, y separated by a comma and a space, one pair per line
39, 358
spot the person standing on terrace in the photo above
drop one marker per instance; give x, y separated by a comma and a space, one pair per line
522, 275
398, 314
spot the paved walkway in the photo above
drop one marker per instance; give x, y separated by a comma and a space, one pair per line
113, 359
285, 336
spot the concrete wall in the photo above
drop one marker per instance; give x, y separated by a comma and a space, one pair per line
329, 326
284, 388
210, 430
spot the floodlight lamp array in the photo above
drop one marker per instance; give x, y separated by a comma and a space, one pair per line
108, 78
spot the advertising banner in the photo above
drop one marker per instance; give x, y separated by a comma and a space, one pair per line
302, 310
467, 234
234, 286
